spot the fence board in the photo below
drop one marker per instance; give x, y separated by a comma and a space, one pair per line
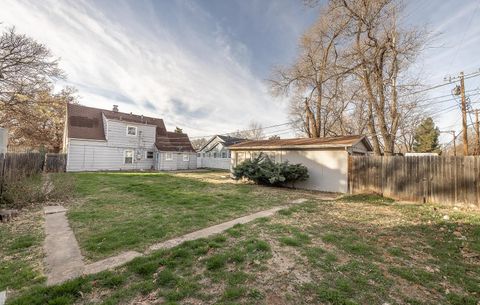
447, 180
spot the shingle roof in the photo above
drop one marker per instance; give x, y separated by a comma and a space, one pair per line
227, 140
84, 122
299, 143
173, 141
87, 123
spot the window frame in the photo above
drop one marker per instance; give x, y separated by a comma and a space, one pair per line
186, 157
136, 130
167, 154
149, 151
125, 156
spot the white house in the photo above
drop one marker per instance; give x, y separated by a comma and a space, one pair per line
97, 139
215, 153
325, 158
3, 140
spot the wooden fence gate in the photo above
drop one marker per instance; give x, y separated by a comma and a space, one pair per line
446, 180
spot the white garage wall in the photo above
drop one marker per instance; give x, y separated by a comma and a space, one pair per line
328, 169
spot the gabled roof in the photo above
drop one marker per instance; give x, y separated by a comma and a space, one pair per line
173, 141
304, 143
226, 140
87, 123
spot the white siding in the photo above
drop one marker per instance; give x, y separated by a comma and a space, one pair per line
117, 135
86, 155
3, 140
327, 169
210, 162
177, 162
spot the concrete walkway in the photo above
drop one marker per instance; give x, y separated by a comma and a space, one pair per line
64, 260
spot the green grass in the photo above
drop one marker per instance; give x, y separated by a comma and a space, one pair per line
369, 252
121, 211
347, 262
20, 251
367, 198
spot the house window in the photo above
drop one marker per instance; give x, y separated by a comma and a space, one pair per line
224, 154
185, 157
131, 131
149, 154
215, 155
168, 156
128, 157
199, 155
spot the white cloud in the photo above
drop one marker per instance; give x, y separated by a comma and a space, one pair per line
115, 59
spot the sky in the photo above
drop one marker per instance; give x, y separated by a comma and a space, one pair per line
202, 65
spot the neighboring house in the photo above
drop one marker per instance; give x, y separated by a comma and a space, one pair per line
215, 153
98, 139
325, 158
3, 140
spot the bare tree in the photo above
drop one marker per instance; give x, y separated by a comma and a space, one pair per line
314, 80
199, 143
26, 67
254, 131
381, 53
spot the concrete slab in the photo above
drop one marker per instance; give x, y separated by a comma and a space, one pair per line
111, 262
213, 229
3, 297
54, 209
63, 260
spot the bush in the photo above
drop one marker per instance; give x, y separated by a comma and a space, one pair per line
34, 189
262, 170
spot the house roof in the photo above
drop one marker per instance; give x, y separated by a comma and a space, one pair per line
87, 123
84, 122
172, 141
226, 140
304, 143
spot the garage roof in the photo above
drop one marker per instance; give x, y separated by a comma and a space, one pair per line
304, 143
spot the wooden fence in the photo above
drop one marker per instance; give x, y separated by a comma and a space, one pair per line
15, 166
446, 180
18, 165
55, 163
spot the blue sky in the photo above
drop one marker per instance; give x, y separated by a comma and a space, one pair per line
202, 65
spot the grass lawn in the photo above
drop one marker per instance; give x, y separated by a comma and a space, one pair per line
351, 251
123, 211
21, 251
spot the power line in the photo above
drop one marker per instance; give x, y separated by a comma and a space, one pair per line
243, 130
464, 33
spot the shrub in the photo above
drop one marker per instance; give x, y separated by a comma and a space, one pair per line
21, 191
262, 170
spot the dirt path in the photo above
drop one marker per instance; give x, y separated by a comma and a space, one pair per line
64, 260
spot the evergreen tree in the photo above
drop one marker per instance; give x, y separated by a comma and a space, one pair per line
426, 137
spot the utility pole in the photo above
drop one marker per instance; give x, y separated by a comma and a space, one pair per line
454, 140
464, 115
